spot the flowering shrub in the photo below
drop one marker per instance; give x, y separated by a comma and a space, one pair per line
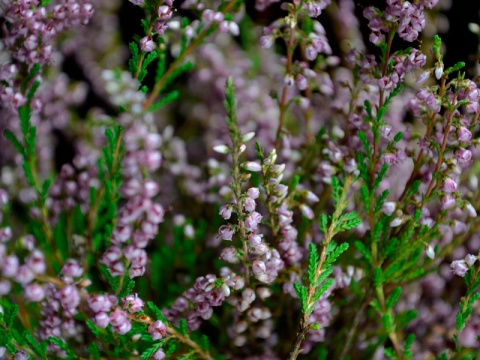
241, 186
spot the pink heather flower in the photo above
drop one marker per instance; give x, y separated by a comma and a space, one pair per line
449, 185
159, 355
464, 134
226, 232
133, 303
100, 303
230, 255
121, 323
147, 44
72, 269
464, 155
24, 275
160, 27
448, 202
137, 2
386, 83
21, 355
307, 211
5, 234
164, 12
470, 210
157, 330
226, 212
5, 287
34, 292
253, 193
389, 207
470, 259
249, 204
459, 267
10, 266
69, 297
36, 262
252, 221
101, 319
423, 77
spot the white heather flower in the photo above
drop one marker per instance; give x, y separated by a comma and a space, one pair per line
252, 166
222, 149
248, 136
430, 252
396, 222
470, 259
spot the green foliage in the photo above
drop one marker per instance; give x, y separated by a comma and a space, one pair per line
168, 98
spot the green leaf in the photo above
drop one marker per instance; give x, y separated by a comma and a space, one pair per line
150, 351
348, 221
172, 96
10, 136
183, 327
393, 298
133, 62
127, 287
157, 312
377, 277
45, 186
336, 190
323, 223
62, 345
93, 350
364, 251
437, 43
313, 263
301, 292
398, 137
380, 176
333, 255
456, 67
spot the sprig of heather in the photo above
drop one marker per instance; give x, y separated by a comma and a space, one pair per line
320, 264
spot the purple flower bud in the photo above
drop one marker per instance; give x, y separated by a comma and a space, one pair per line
160, 27
36, 262
226, 211
459, 267
464, 155
464, 134
438, 71
449, 185
302, 82
226, 232
10, 266
69, 297
159, 355
100, 303
101, 319
260, 271
34, 293
72, 269
470, 210
5, 287
133, 303
155, 214
121, 323
307, 211
157, 330
5, 234
423, 77
147, 44
164, 12
252, 221
137, 2
24, 275
230, 255
249, 204
21, 355
448, 202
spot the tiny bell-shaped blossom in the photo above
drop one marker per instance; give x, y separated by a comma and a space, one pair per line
248, 136
464, 134
396, 222
288, 80
101, 319
449, 185
459, 267
133, 303
225, 232
253, 193
389, 207
159, 355
157, 330
430, 252
448, 202
226, 211
252, 166
160, 27
470, 259
463, 156
230, 255
470, 210
147, 44
307, 211
222, 149
423, 77
249, 204
438, 71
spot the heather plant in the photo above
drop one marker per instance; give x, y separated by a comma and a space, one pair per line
256, 180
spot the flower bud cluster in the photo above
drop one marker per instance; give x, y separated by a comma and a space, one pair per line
198, 302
